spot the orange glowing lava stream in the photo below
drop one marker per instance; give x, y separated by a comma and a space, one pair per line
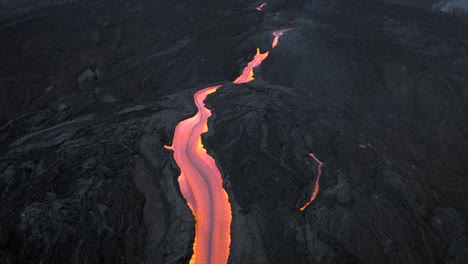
277, 34
201, 185
247, 73
259, 8
201, 182
316, 188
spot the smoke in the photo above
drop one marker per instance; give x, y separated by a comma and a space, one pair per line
451, 6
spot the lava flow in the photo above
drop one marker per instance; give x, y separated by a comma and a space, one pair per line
201, 182
260, 7
316, 188
247, 73
202, 186
277, 34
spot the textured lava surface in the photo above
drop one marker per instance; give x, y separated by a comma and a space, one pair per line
201, 185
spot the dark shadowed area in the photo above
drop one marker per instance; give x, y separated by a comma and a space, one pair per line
91, 91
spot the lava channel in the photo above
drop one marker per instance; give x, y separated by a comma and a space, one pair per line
260, 7
200, 181
201, 185
277, 34
247, 73
316, 188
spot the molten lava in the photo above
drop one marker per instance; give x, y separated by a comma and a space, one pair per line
277, 34
316, 188
201, 182
260, 7
201, 185
247, 73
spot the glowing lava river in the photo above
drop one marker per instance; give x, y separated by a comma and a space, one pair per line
200, 181
201, 185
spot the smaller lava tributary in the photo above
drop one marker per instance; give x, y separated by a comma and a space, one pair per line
261, 6
317, 181
200, 180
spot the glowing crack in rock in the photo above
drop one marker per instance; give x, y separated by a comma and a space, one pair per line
316, 188
201, 185
277, 34
260, 7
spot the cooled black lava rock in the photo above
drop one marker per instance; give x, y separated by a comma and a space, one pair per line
91, 91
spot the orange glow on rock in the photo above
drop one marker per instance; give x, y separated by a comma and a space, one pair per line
247, 73
316, 188
260, 7
277, 34
201, 185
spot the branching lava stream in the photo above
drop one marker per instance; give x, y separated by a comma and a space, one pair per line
200, 181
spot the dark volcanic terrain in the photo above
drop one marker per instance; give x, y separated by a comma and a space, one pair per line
91, 91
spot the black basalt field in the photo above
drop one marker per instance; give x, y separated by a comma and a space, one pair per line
91, 91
